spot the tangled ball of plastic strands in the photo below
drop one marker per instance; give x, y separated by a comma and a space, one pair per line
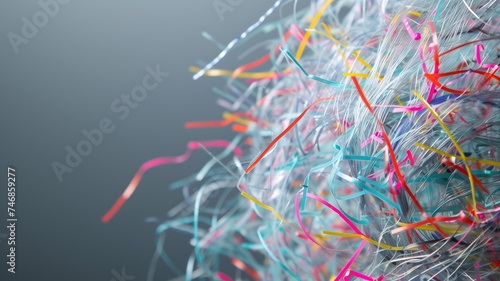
369, 150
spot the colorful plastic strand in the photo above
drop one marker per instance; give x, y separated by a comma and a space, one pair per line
162, 161
370, 136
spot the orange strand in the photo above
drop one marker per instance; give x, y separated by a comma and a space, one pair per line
392, 155
262, 60
242, 266
275, 140
222, 123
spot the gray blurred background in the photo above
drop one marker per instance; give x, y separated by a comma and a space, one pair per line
62, 77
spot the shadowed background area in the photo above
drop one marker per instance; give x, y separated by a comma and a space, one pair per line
64, 68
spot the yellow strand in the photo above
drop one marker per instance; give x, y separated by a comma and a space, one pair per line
354, 235
445, 228
245, 75
410, 12
302, 46
470, 159
239, 120
457, 146
269, 208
